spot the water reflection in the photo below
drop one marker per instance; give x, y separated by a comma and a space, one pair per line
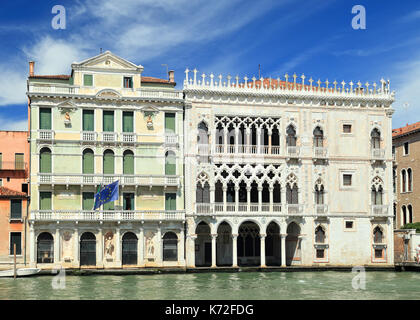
240, 285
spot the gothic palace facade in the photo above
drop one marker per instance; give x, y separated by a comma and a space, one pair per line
226, 172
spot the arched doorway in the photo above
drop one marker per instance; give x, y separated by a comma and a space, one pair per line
203, 245
292, 243
224, 245
170, 247
88, 249
129, 249
273, 245
45, 248
248, 244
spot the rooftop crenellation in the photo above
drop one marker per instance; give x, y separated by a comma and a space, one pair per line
289, 84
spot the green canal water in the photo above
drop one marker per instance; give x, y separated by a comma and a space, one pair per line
226, 286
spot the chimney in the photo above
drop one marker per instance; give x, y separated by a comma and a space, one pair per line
31, 68
171, 74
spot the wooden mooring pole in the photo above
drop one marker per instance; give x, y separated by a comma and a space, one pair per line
14, 262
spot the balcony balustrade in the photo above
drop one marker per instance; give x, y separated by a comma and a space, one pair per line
378, 154
89, 136
320, 152
321, 209
46, 135
379, 210
128, 137
81, 215
219, 208
171, 139
294, 208
109, 137
91, 179
293, 151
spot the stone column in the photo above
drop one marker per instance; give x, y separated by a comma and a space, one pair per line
259, 140
262, 250
225, 142
140, 247
99, 249
269, 140
158, 252
76, 246
236, 198
118, 247
248, 136
260, 189
213, 250
212, 189
234, 250
248, 198
57, 246
224, 197
191, 250
236, 140
181, 260
283, 249
32, 246
271, 189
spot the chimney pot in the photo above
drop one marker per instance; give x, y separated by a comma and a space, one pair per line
31, 68
171, 74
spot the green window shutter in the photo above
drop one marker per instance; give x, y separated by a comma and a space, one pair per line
128, 163
16, 238
170, 201
15, 208
88, 162
170, 122
45, 161
87, 80
108, 121
45, 201
109, 205
88, 120
45, 118
88, 200
108, 162
170, 165
19, 161
128, 123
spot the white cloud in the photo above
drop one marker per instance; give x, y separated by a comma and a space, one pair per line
12, 84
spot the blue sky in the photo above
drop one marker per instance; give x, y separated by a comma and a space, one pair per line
312, 37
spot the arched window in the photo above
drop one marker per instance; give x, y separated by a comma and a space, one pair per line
319, 235
403, 181
108, 162
376, 139
170, 247
88, 161
409, 180
291, 136
202, 137
203, 193
292, 190
410, 213
128, 162
45, 248
318, 137
45, 160
404, 215
377, 235
319, 192
170, 164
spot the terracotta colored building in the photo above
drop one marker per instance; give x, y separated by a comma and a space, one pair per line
405, 151
14, 195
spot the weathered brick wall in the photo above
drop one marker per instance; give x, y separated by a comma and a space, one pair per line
399, 246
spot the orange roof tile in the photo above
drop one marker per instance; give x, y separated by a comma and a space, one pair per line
155, 80
409, 128
6, 192
57, 76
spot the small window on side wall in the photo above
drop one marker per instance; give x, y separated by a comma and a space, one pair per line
347, 180
88, 80
406, 148
349, 224
128, 82
346, 128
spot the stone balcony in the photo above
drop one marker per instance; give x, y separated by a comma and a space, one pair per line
379, 210
92, 179
378, 155
99, 216
242, 208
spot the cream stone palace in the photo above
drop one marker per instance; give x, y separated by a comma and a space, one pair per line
227, 172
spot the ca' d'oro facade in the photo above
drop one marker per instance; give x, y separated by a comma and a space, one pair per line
232, 173
106, 122
280, 173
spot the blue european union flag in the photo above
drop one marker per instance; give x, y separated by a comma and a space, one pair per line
107, 194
